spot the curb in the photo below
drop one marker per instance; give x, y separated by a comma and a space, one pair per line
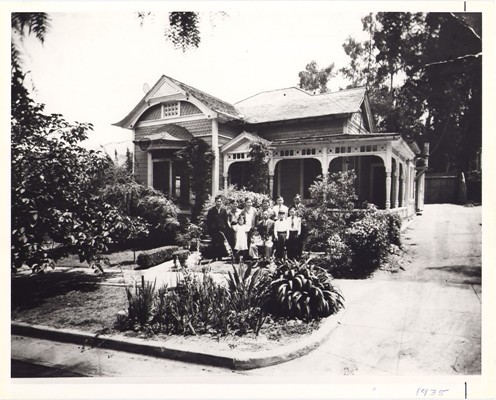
237, 360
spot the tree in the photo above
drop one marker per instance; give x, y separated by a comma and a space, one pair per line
56, 184
313, 78
259, 167
425, 80
55, 189
198, 158
128, 164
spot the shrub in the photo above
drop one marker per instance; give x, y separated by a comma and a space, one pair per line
181, 256
394, 228
302, 291
140, 304
149, 205
368, 240
153, 257
190, 236
332, 200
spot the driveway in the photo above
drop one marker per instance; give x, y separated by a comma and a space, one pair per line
423, 320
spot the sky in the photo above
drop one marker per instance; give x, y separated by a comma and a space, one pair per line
93, 66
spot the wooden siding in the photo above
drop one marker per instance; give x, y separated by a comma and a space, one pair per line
151, 114
140, 165
311, 128
197, 128
230, 131
188, 108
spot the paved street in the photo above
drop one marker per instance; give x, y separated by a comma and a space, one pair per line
425, 320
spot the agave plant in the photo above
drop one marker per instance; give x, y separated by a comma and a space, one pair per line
303, 291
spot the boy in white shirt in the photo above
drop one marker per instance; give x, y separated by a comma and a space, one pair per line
280, 235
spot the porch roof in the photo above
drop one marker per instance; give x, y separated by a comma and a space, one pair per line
318, 139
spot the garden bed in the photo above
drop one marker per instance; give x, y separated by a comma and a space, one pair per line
75, 300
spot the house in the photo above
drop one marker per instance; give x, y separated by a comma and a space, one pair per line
309, 134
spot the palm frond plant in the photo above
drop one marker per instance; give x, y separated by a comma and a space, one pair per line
302, 291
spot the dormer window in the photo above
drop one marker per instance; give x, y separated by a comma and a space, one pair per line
170, 109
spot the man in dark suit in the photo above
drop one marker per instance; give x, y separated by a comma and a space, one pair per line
217, 228
266, 230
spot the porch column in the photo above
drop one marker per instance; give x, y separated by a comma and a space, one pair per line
149, 169
272, 167
325, 162
387, 164
396, 185
215, 149
388, 190
225, 180
403, 194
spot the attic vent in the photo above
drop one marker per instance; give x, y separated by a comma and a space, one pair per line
170, 109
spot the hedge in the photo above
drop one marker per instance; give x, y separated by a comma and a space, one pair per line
157, 256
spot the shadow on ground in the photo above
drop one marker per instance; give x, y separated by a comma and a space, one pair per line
32, 290
471, 275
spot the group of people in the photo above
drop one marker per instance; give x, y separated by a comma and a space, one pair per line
271, 231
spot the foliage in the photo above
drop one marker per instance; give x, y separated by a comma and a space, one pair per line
302, 291
259, 167
150, 258
140, 304
368, 239
128, 163
142, 203
55, 188
331, 198
183, 30
181, 256
198, 158
190, 236
313, 78
422, 82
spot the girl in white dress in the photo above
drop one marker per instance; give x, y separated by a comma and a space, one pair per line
241, 235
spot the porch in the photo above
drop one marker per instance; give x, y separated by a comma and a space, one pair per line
383, 163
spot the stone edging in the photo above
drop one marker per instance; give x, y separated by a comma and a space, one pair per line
239, 360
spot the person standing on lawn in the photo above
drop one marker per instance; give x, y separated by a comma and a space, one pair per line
299, 207
241, 234
264, 208
280, 207
266, 230
250, 213
281, 234
217, 227
232, 219
294, 234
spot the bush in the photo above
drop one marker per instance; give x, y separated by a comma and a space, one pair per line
394, 228
302, 291
368, 240
153, 257
332, 200
159, 213
140, 304
181, 256
190, 236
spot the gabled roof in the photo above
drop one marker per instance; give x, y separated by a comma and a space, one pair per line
293, 103
244, 136
167, 86
210, 101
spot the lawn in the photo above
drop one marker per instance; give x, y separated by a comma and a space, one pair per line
75, 299
64, 299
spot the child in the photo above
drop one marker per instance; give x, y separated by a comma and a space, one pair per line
280, 233
255, 242
241, 235
294, 234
